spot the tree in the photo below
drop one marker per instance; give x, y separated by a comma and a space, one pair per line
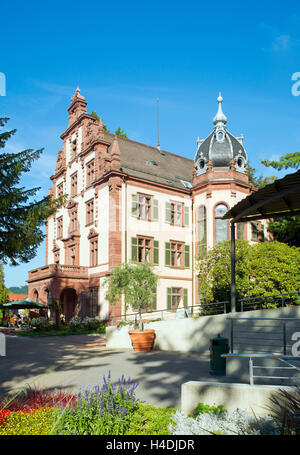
286, 229
56, 307
3, 290
121, 133
286, 161
21, 219
137, 282
262, 269
96, 116
259, 182
19, 289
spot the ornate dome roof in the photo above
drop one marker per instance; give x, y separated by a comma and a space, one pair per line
220, 147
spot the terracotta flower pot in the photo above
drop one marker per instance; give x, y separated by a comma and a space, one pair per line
142, 340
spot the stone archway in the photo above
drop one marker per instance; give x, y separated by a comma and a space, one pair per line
35, 295
69, 299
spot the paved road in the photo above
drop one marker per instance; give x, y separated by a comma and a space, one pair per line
68, 362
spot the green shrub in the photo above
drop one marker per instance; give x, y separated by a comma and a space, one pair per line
262, 269
151, 420
105, 410
204, 408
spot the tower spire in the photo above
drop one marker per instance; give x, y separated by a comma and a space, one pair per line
220, 117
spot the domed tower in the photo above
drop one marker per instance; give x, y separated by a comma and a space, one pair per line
220, 151
220, 180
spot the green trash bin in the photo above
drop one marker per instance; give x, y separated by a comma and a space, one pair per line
218, 346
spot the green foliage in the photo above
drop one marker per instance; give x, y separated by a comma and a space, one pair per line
151, 420
51, 330
105, 410
21, 218
285, 409
204, 408
19, 289
137, 282
259, 182
262, 269
286, 230
286, 161
3, 290
121, 133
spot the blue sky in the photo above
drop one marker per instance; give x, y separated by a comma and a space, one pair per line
125, 55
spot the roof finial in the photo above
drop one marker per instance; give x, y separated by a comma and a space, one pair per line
220, 117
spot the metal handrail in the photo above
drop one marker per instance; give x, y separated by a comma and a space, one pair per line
204, 306
281, 358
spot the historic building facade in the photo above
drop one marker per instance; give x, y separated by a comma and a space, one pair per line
128, 201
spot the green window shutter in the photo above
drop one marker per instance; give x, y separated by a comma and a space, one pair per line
134, 249
185, 297
155, 210
169, 298
186, 216
134, 205
168, 212
154, 300
155, 252
187, 256
167, 253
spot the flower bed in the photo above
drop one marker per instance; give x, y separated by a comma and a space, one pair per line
113, 409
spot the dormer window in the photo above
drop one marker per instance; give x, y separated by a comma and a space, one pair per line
220, 136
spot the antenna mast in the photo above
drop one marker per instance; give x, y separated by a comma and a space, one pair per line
157, 105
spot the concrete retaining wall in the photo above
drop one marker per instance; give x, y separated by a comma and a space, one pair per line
193, 335
231, 396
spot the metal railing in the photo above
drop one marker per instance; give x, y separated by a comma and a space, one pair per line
223, 307
268, 301
281, 358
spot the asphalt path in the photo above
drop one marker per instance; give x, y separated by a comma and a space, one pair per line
70, 362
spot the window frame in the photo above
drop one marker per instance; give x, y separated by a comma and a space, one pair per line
90, 172
89, 212
59, 227
74, 184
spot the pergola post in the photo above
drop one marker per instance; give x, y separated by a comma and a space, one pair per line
232, 260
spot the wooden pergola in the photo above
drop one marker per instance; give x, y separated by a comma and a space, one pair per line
277, 200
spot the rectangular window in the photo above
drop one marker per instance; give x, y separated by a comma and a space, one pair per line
145, 249
174, 296
56, 257
177, 213
60, 189
59, 231
93, 252
90, 212
177, 254
74, 184
73, 220
90, 172
72, 255
240, 230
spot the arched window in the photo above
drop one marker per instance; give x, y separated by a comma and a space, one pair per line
221, 226
202, 236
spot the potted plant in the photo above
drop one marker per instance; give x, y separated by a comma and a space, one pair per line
137, 282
